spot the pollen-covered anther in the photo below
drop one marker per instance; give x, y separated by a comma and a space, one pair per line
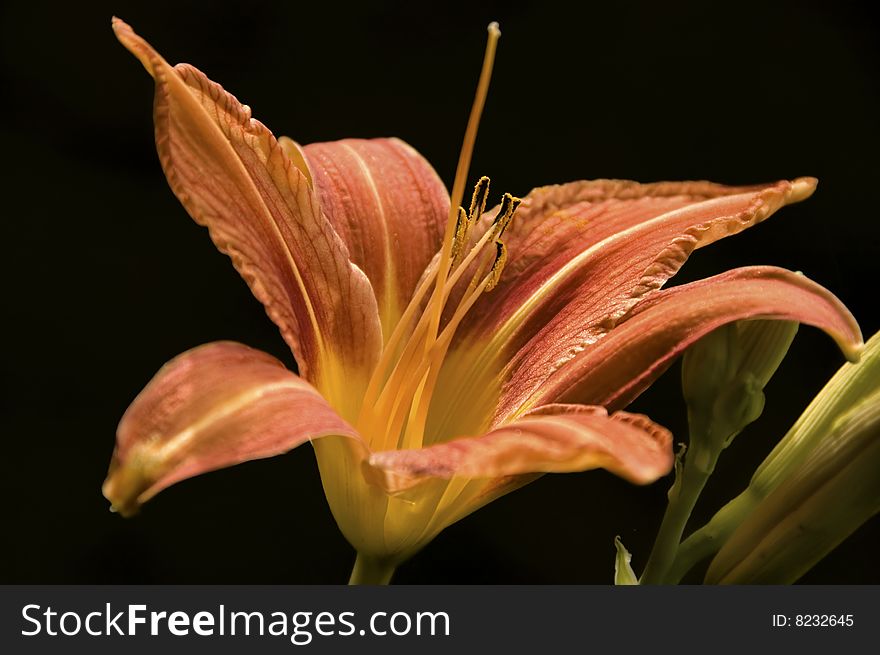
478, 201
509, 204
460, 238
497, 265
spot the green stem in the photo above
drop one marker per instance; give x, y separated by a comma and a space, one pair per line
709, 539
698, 466
371, 570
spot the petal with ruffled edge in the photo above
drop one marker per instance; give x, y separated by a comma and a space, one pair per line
261, 209
387, 204
614, 369
553, 438
622, 238
432, 487
593, 250
211, 407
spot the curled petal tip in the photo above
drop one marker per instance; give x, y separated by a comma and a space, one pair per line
123, 488
802, 188
853, 351
119, 25
136, 45
211, 407
849, 339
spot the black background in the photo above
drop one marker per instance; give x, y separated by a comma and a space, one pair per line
105, 277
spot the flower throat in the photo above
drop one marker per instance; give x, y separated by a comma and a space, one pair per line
395, 408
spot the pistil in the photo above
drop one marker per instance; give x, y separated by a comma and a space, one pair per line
461, 172
397, 400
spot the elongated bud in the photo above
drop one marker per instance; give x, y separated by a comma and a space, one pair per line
724, 375
623, 572
833, 492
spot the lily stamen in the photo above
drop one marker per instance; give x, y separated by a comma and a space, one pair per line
508, 205
467, 220
407, 375
380, 375
498, 265
505, 213
414, 436
462, 232
478, 200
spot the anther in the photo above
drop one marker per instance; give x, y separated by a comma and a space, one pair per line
459, 240
505, 213
497, 265
478, 201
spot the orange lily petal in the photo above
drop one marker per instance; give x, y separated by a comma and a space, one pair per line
260, 208
595, 249
622, 238
611, 370
388, 205
553, 438
211, 407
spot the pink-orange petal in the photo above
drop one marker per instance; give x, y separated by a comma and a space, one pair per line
606, 243
583, 254
212, 407
612, 369
388, 205
232, 176
554, 438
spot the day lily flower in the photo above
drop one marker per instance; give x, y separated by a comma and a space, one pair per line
446, 356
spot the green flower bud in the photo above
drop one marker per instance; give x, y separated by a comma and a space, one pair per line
724, 375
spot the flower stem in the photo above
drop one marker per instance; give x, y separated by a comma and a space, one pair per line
371, 570
697, 468
709, 539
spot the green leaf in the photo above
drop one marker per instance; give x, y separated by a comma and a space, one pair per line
834, 491
623, 572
